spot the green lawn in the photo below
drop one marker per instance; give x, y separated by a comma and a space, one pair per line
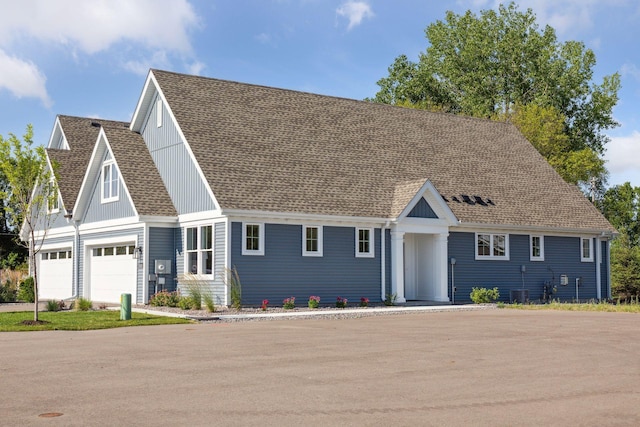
80, 320
602, 306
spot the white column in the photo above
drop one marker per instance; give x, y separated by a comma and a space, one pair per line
598, 276
441, 267
397, 265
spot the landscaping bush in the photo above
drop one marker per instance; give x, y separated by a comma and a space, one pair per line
7, 292
484, 295
390, 299
25, 291
165, 299
82, 304
341, 302
289, 303
188, 303
207, 297
53, 305
314, 301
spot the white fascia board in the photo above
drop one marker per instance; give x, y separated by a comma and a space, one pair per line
111, 240
144, 101
199, 216
56, 133
433, 197
111, 225
159, 221
299, 218
151, 87
537, 230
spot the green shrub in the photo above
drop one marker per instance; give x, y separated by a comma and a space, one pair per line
25, 291
390, 299
53, 305
7, 292
207, 297
187, 303
165, 299
232, 280
82, 304
289, 303
484, 295
341, 302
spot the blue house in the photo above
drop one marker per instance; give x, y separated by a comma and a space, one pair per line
309, 195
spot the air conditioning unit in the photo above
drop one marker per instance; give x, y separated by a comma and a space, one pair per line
163, 266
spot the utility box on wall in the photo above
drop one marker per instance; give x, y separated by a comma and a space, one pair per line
163, 266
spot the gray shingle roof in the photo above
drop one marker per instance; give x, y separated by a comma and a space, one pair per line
278, 150
147, 191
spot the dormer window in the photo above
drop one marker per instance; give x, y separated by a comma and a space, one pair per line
110, 182
159, 112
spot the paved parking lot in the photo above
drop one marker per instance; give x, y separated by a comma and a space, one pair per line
494, 367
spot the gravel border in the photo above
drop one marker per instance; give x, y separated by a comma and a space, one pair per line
227, 315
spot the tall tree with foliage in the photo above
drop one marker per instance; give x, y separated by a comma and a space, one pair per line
30, 192
489, 65
621, 206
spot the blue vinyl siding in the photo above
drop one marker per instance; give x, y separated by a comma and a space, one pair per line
561, 254
422, 209
107, 234
179, 174
98, 211
283, 272
161, 246
604, 271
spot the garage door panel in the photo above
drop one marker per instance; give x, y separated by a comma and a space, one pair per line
55, 280
112, 274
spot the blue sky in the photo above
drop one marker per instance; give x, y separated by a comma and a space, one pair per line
90, 57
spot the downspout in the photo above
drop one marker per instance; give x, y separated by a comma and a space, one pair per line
383, 260
76, 260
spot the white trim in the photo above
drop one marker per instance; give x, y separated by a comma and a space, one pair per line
159, 112
300, 218
372, 240
433, 198
531, 256
491, 256
598, 262
113, 168
112, 224
145, 265
582, 257
522, 229
101, 241
198, 251
227, 260
260, 250
320, 240
200, 216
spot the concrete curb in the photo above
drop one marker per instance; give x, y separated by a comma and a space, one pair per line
314, 313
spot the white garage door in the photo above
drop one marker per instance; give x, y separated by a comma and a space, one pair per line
113, 272
55, 275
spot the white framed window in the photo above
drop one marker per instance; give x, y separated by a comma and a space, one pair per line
199, 249
536, 248
586, 249
312, 240
492, 246
252, 238
159, 112
364, 243
110, 182
53, 204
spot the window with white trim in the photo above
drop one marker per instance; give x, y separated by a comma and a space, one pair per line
53, 204
159, 112
586, 249
110, 181
199, 248
536, 248
312, 240
252, 238
492, 246
364, 243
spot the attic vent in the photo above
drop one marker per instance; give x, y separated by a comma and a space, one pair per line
480, 201
95, 124
490, 202
467, 199
444, 198
455, 199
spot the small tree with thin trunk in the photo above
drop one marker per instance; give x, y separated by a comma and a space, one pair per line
31, 194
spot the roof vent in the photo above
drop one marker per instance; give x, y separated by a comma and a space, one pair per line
95, 124
480, 201
467, 199
490, 202
455, 199
444, 198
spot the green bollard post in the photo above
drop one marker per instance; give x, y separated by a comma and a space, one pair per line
125, 306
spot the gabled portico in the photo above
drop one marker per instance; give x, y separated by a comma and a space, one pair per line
419, 248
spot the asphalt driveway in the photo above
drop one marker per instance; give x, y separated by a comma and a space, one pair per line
494, 367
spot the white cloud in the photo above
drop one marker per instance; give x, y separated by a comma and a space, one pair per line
623, 154
141, 66
23, 79
630, 70
94, 26
196, 68
355, 12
